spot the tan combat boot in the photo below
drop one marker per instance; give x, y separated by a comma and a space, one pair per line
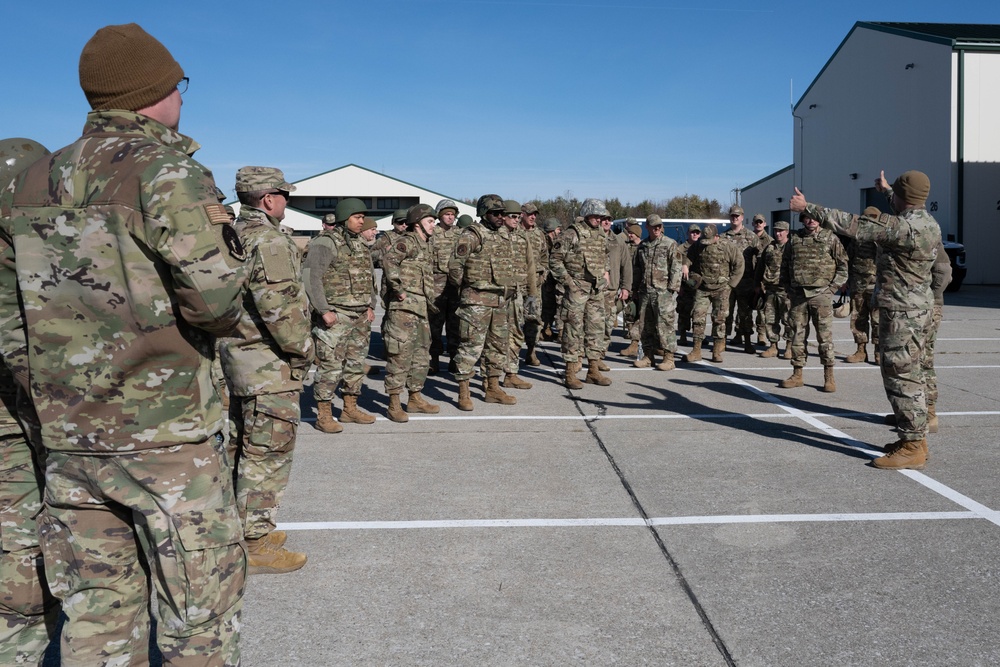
531, 358
325, 420
795, 380
762, 339
352, 414
718, 347
829, 386
395, 411
645, 362
513, 381
770, 352
695, 353
494, 394
601, 366
909, 454
594, 374
572, 381
667, 364
860, 355
415, 403
464, 397
631, 350
277, 538
932, 418
788, 352
267, 558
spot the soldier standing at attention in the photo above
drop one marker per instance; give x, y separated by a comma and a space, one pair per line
632, 313
128, 268
910, 242
28, 612
741, 297
443, 318
763, 240
482, 268
579, 261
776, 303
685, 301
540, 258
525, 294
619, 282
716, 267
407, 267
657, 281
813, 269
861, 283
265, 362
338, 277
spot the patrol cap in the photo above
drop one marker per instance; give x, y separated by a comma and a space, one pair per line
913, 187
653, 220
329, 219
694, 228
511, 206
759, 216
348, 207
550, 225
709, 232
369, 224
529, 208
465, 220
872, 212
417, 213
634, 229
781, 225
261, 179
16, 155
735, 210
444, 205
488, 203
399, 216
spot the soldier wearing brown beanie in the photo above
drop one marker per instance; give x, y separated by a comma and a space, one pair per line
142, 271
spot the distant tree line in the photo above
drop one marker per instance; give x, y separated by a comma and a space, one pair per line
686, 207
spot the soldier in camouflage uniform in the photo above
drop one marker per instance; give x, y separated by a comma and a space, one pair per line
632, 312
338, 276
409, 273
127, 268
552, 290
716, 268
579, 261
383, 242
444, 318
763, 240
909, 242
540, 258
482, 269
685, 300
741, 297
776, 303
861, 283
265, 363
28, 612
813, 268
657, 281
525, 301
619, 282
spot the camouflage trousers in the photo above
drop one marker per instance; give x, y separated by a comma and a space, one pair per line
584, 324
266, 425
776, 307
515, 334
707, 301
817, 311
170, 512
28, 613
903, 338
483, 331
446, 319
611, 310
340, 355
407, 341
685, 304
633, 323
740, 314
927, 358
552, 298
864, 317
659, 314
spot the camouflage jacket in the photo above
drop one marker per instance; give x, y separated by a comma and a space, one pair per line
408, 272
940, 274
619, 262
768, 274
579, 253
338, 272
127, 267
862, 264
483, 266
909, 246
750, 245
525, 274
658, 266
442, 245
540, 249
272, 348
384, 241
814, 263
718, 261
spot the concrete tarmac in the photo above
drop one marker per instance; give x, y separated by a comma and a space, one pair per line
701, 516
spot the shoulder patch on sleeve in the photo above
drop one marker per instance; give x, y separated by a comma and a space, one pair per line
557, 245
232, 241
401, 247
217, 214
462, 249
884, 219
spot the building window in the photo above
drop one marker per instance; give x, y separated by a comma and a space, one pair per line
387, 203
326, 202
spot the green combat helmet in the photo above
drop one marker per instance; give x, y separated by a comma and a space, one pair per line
550, 225
16, 155
465, 220
511, 206
348, 207
399, 216
593, 207
418, 212
489, 203
443, 205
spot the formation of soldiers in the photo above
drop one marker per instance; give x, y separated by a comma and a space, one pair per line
123, 276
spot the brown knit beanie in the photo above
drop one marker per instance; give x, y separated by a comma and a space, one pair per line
124, 67
913, 187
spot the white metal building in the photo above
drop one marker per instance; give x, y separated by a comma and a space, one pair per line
899, 96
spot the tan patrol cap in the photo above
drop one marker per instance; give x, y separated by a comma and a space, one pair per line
260, 179
735, 210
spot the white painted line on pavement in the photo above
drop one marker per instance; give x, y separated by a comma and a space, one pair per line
709, 416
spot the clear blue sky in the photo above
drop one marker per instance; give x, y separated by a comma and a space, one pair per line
527, 98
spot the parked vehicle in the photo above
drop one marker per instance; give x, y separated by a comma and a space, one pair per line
675, 228
956, 253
